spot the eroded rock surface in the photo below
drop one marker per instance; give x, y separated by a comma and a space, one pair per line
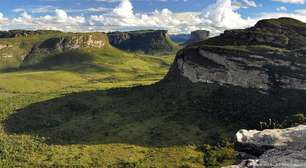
286, 147
63, 44
267, 56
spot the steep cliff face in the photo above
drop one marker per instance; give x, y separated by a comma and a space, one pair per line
269, 55
58, 45
148, 41
198, 35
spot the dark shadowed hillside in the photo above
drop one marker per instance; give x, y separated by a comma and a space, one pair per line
147, 41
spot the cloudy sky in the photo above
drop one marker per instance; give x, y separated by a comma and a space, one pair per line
177, 16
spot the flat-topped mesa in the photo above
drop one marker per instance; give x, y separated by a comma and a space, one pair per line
198, 35
269, 55
65, 43
147, 41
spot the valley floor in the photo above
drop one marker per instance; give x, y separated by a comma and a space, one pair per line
30, 93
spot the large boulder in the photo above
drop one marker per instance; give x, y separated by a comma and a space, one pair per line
270, 55
286, 147
147, 41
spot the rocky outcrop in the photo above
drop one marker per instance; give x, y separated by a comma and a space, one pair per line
285, 148
148, 41
198, 35
70, 42
66, 43
266, 56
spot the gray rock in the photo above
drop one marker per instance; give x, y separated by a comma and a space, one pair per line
252, 58
288, 147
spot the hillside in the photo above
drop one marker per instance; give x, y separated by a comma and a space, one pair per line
107, 68
58, 51
147, 41
15, 45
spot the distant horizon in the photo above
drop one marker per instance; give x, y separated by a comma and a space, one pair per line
176, 16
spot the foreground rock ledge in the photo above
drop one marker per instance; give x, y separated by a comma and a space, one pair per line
285, 148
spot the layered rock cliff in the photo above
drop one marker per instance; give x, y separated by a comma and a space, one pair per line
147, 41
270, 55
63, 44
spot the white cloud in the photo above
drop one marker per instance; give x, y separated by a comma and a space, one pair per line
217, 17
291, 1
224, 15
125, 9
281, 8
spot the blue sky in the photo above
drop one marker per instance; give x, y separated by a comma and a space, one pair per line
177, 16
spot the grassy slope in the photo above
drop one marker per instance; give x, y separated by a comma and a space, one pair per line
113, 69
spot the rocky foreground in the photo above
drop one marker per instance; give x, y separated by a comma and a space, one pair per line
281, 148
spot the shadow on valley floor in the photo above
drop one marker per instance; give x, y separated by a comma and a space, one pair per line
74, 61
160, 115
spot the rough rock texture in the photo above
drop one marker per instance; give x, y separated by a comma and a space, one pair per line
148, 41
287, 147
198, 35
269, 55
66, 43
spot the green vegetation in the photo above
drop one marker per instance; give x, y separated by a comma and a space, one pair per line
15, 49
156, 42
92, 107
109, 68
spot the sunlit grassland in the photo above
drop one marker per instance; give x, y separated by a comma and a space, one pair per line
112, 69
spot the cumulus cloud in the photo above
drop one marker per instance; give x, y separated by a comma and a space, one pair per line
221, 15
224, 15
217, 17
60, 20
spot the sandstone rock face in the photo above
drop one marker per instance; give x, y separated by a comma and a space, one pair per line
68, 43
251, 58
148, 41
198, 35
287, 147
65, 43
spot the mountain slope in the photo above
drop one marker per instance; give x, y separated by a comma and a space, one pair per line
147, 41
15, 45
61, 50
